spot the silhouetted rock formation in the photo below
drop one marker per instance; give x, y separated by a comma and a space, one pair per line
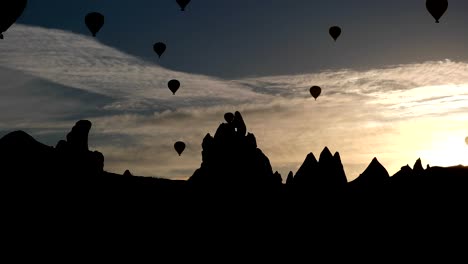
278, 178
23, 156
231, 159
408, 179
78, 136
374, 176
325, 175
418, 168
404, 172
306, 173
74, 155
290, 179
51, 186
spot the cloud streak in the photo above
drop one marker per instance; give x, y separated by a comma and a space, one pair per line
52, 78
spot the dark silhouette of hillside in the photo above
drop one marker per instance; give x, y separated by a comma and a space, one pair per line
63, 192
231, 161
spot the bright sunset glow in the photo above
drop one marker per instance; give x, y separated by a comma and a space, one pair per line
448, 150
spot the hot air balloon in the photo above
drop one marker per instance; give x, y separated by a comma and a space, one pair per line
229, 117
179, 146
94, 21
173, 86
437, 8
183, 4
466, 140
159, 48
10, 11
335, 32
315, 91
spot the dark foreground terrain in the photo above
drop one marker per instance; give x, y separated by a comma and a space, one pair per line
62, 195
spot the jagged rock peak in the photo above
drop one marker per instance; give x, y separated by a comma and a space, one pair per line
310, 158
375, 166
325, 155
418, 168
239, 124
78, 136
277, 177
231, 158
290, 178
308, 167
127, 173
207, 141
406, 168
251, 140
337, 157
374, 174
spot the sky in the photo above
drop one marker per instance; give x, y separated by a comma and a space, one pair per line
395, 84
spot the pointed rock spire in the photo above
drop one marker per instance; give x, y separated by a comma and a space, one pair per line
308, 169
239, 124
375, 174
78, 136
332, 174
251, 140
290, 179
325, 156
418, 168
277, 177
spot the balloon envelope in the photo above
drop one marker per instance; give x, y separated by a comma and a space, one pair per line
466, 140
229, 117
10, 11
159, 48
335, 32
315, 91
94, 21
437, 8
179, 146
173, 86
183, 4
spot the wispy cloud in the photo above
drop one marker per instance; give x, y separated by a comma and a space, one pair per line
52, 78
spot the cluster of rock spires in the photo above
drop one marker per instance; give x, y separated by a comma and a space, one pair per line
326, 173
81, 199
230, 159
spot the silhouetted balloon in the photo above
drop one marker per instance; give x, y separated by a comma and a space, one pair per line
173, 86
315, 91
183, 4
94, 21
437, 8
179, 146
10, 11
159, 48
229, 117
335, 32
